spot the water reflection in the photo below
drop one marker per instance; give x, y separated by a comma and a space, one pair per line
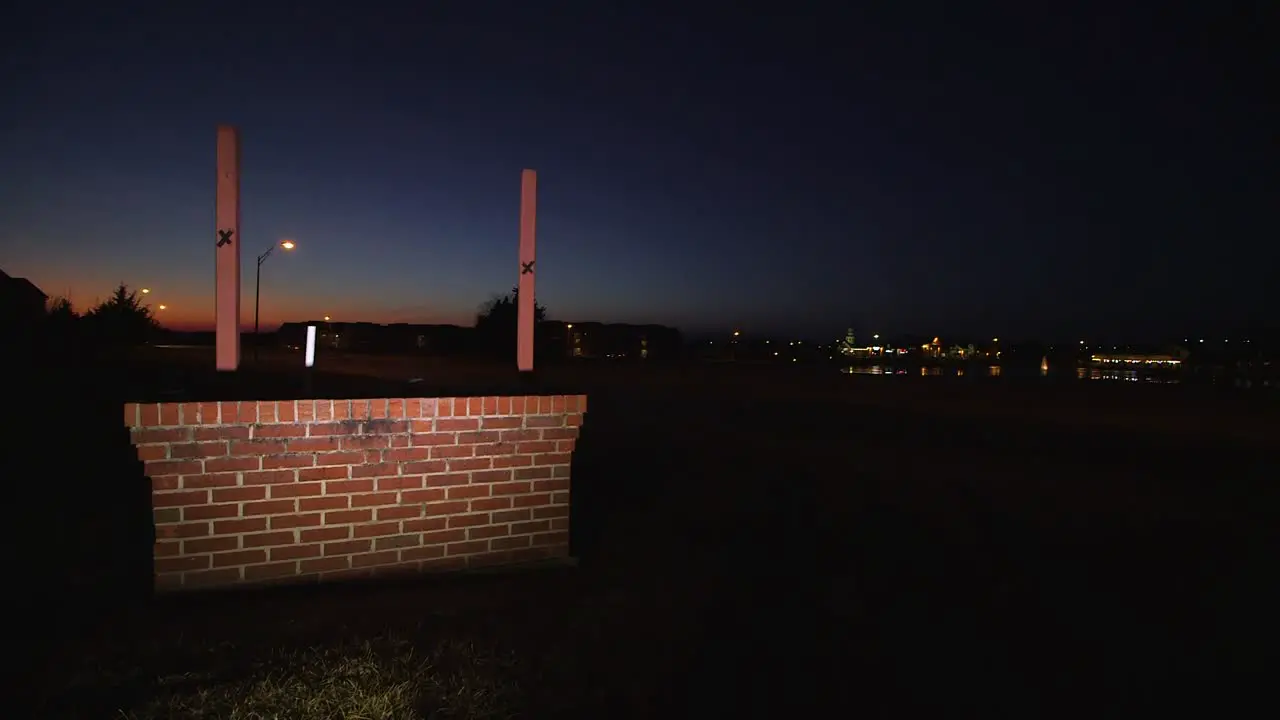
1083, 372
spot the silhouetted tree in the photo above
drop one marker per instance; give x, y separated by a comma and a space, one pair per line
497, 321
122, 319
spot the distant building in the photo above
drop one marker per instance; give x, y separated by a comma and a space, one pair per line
22, 304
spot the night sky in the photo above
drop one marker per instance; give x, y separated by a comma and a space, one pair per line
931, 168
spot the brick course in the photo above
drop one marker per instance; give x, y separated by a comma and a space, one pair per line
272, 491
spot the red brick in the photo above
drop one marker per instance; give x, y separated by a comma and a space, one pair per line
165, 482
466, 464
376, 530
511, 488
533, 473
285, 522
202, 546
342, 517
238, 526
509, 543
466, 492
397, 455
232, 464
373, 499
491, 476
539, 446
552, 485
457, 521
293, 552
297, 490
257, 447
553, 511
271, 571
429, 495
211, 578
184, 563
324, 534
205, 434
468, 547
386, 557
339, 458
502, 423
270, 507
457, 424
240, 494
551, 538
284, 537
430, 552
426, 467
486, 504
163, 548
335, 472
399, 512
347, 547
552, 459
270, 477
180, 499
513, 461
239, 557
531, 500
174, 467
327, 564
280, 431
404, 482
533, 526
447, 479
443, 537
214, 480
169, 435
328, 502
484, 532
506, 516
310, 445
446, 452
395, 542
182, 530
333, 487
276, 462
494, 450
376, 470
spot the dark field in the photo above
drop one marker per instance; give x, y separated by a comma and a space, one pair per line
788, 543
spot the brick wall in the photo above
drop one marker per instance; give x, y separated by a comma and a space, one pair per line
254, 492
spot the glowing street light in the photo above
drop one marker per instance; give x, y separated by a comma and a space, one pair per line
146, 291
162, 307
326, 318
257, 289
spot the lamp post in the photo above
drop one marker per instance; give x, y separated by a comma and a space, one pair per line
257, 289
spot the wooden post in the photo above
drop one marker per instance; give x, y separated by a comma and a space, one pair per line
526, 293
227, 307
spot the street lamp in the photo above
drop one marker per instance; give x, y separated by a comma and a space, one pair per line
257, 289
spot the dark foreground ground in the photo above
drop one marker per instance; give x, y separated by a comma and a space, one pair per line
781, 547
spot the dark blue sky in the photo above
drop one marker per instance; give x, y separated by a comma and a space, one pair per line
935, 168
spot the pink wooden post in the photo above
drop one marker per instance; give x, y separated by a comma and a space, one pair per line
227, 309
528, 221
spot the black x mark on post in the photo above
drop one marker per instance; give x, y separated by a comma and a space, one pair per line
526, 268
224, 237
